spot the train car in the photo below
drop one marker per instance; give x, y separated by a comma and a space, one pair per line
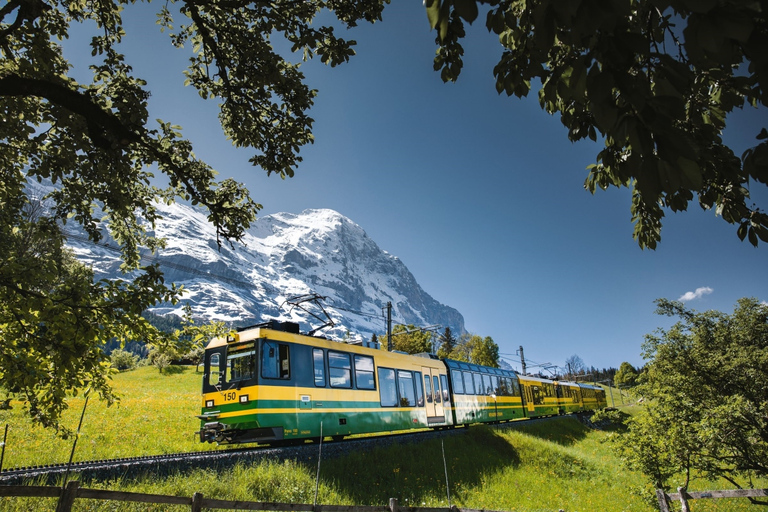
569, 397
483, 394
539, 396
594, 397
270, 384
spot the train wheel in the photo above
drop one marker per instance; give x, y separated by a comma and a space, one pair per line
337, 438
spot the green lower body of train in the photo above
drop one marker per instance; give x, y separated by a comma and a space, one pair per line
286, 421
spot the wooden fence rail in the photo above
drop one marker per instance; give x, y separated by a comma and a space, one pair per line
197, 502
683, 497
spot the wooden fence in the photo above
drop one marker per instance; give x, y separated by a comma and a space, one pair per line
197, 502
683, 497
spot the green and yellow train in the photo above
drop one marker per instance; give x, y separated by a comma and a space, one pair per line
271, 384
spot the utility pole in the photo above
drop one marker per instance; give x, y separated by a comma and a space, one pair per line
389, 326
522, 359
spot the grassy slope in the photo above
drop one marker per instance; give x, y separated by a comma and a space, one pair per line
155, 415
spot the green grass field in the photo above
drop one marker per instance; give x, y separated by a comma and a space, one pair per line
156, 414
554, 465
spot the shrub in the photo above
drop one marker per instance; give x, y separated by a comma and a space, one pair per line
123, 360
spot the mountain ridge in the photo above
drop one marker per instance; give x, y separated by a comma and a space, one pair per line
283, 255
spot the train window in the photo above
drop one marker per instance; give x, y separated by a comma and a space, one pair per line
339, 369
241, 362
478, 384
407, 393
458, 382
444, 383
387, 387
364, 372
469, 387
428, 388
495, 385
487, 387
436, 389
419, 389
275, 360
504, 386
214, 374
319, 361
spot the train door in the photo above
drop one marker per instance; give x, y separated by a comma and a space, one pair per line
529, 398
434, 403
561, 395
214, 369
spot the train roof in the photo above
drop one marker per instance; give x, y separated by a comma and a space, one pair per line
289, 332
461, 365
536, 379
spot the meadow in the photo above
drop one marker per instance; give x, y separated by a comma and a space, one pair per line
555, 465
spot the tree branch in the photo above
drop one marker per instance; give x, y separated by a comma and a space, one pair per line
105, 129
28, 10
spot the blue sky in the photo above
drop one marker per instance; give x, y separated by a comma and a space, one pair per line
480, 195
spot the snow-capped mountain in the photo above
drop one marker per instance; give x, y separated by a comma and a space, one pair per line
283, 256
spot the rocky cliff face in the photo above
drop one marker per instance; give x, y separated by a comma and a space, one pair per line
284, 255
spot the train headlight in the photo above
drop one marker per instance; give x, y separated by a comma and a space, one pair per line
209, 403
244, 399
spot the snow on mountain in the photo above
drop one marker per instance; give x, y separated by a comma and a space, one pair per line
282, 256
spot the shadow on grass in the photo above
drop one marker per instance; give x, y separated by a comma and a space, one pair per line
415, 472
174, 369
565, 431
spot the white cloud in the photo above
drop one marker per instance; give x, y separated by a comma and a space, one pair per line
699, 293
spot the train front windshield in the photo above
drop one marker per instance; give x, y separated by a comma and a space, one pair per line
230, 366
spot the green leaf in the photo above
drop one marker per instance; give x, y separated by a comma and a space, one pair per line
742, 231
692, 173
433, 12
467, 9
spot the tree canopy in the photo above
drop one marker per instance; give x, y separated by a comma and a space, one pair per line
627, 375
655, 79
473, 348
704, 388
447, 343
410, 339
110, 163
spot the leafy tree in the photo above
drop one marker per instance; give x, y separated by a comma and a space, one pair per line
447, 343
462, 351
185, 343
705, 389
54, 320
472, 348
655, 79
123, 360
199, 335
626, 376
485, 351
96, 142
411, 340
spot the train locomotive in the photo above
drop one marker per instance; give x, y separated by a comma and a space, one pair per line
271, 384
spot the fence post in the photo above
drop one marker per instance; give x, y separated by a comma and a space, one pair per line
197, 502
662, 497
392, 504
683, 499
67, 497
